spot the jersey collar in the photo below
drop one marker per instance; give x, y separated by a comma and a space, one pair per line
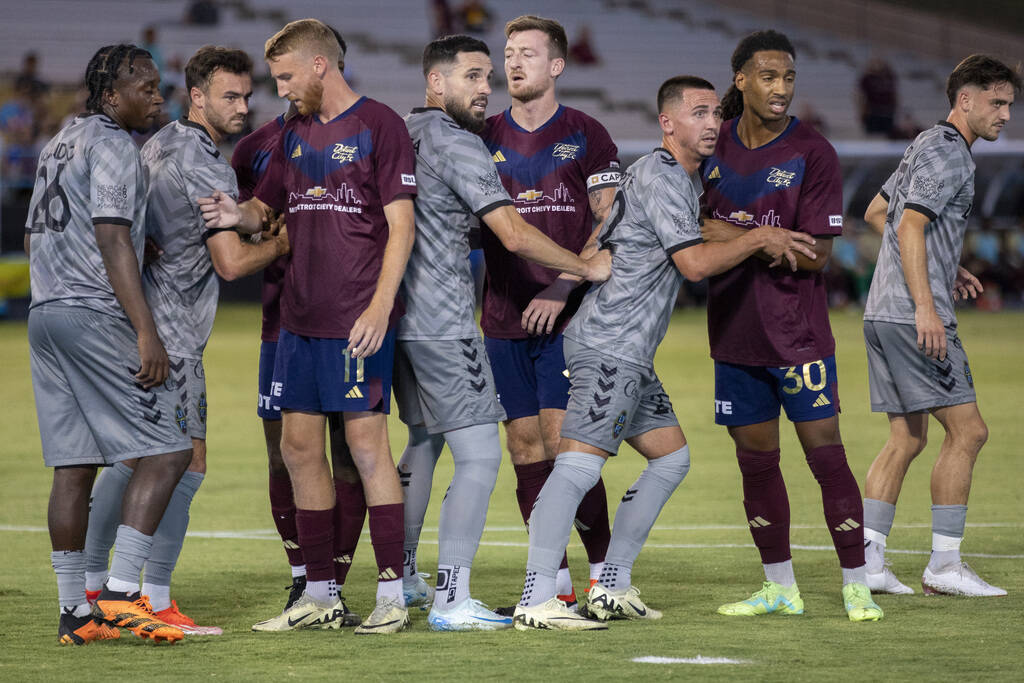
736, 136
512, 122
949, 125
184, 120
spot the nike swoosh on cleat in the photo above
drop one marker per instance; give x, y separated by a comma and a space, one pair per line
641, 611
393, 621
293, 623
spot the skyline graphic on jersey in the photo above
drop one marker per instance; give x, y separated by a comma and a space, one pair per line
561, 194
745, 190
530, 171
344, 195
317, 164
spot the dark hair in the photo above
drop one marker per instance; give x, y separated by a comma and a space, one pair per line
758, 41
982, 71
104, 69
673, 88
211, 58
558, 43
343, 47
446, 50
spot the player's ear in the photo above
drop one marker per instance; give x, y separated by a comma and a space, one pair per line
964, 99
435, 82
666, 123
557, 67
197, 97
739, 79
319, 65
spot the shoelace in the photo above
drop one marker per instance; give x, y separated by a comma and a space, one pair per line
143, 603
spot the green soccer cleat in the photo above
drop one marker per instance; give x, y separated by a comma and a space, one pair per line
771, 599
859, 605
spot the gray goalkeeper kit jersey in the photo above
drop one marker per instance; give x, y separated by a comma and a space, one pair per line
181, 286
936, 178
457, 183
655, 214
88, 174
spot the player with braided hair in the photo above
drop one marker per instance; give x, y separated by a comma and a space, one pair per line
98, 364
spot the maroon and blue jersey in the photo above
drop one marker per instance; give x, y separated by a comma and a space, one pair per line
332, 180
549, 174
250, 160
772, 316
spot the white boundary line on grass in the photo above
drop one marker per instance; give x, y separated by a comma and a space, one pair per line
699, 659
271, 535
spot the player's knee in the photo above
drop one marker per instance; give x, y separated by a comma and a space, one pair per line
973, 436
672, 467
525, 450
827, 461
581, 470
755, 464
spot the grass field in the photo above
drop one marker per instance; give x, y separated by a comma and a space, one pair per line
233, 572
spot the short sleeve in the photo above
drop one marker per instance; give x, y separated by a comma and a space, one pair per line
203, 181
673, 211
888, 188
934, 180
820, 208
602, 168
462, 161
270, 187
393, 158
114, 173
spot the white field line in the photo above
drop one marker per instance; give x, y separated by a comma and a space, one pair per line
271, 535
699, 659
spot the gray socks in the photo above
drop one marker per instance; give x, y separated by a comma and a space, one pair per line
476, 451
948, 523
170, 534
878, 515
131, 548
69, 565
416, 473
105, 515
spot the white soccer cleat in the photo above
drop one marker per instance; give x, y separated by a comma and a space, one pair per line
607, 604
417, 592
389, 616
553, 615
958, 580
886, 582
468, 615
306, 613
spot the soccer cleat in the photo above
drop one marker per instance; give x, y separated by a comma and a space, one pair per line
468, 615
295, 590
90, 596
389, 616
418, 593
886, 582
83, 630
132, 611
958, 580
606, 604
306, 613
771, 599
173, 616
858, 603
553, 615
570, 600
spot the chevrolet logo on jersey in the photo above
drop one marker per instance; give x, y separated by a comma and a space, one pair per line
715, 174
344, 153
498, 157
741, 216
565, 151
316, 192
297, 152
530, 195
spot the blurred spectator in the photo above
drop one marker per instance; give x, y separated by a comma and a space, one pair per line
149, 44
202, 13
441, 17
27, 79
878, 97
476, 17
907, 128
812, 117
582, 50
172, 87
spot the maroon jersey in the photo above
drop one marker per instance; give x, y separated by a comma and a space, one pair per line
772, 316
250, 159
548, 173
333, 180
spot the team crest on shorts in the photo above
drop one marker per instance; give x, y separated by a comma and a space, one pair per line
967, 374
202, 407
620, 424
179, 415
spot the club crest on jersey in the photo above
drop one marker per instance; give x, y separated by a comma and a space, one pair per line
202, 407
620, 424
780, 178
565, 151
343, 153
182, 420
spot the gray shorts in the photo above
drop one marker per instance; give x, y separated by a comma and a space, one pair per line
611, 400
904, 380
445, 384
189, 376
90, 409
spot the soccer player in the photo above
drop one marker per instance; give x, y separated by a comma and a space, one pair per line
98, 364
182, 163
769, 329
654, 235
344, 173
916, 363
560, 167
249, 160
444, 383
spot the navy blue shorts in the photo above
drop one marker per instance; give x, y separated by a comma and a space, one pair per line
269, 391
749, 394
529, 374
319, 376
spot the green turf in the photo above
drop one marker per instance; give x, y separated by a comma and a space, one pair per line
235, 582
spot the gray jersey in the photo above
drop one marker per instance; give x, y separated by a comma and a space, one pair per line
88, 174
936, 178
181, 286
456, 182
655, 214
